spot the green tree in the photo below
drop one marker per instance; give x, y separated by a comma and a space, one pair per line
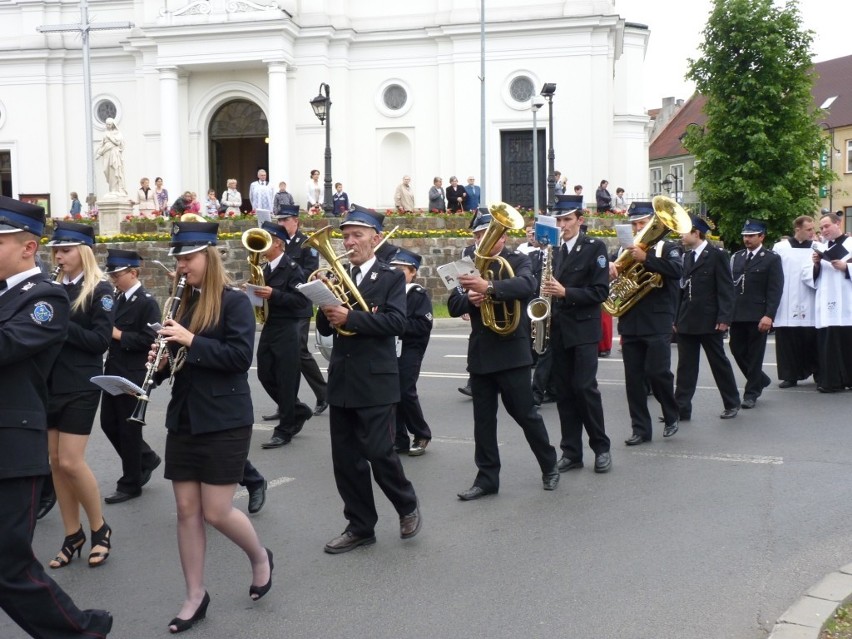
758, 156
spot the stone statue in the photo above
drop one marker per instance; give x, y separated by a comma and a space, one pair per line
111, 150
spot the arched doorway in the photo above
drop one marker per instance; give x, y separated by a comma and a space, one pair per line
239, 147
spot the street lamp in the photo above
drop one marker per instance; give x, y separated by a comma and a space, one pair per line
322, 109
536, 102
831, 155
667, 183
547, 92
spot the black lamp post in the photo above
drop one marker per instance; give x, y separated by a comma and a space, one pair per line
547, 92
322, 109
831, 152
667, 183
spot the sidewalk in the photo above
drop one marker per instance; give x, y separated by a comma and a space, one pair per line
806, 617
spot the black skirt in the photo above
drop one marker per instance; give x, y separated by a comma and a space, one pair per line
211, 458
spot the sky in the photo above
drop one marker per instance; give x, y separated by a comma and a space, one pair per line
676, 33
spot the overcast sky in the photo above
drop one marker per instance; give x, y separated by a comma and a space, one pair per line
676, 32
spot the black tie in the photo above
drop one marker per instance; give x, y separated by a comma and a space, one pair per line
3, 285
267, 271
119, 302
356, 271
690, 260
748, 259
564, 251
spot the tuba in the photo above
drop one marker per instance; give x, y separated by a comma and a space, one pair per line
538, 309
504, 217
634, 281
256, 242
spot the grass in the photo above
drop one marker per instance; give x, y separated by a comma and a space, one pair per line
439, 310
840, 625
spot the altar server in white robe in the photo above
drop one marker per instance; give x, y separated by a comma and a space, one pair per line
830, 276
795, 331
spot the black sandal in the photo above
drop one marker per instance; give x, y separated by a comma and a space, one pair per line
100, 537
73, 543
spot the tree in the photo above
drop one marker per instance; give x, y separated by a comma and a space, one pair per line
758, 156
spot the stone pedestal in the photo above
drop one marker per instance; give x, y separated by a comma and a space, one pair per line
112, 210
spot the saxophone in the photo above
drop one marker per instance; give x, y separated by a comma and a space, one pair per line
538, 309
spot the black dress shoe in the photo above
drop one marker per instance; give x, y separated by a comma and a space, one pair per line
635, 440
147, 472
119, 496
604, 354
45, 506
826, 389
549, 481
274, 417
788, 383
682, 417
670, 430
548, 399
465, 390
257, 497
748, 403
603, 462
537, 398
346, 542
275, 442
320, 407
475, 492
101, 622
566, 464
729, 413
409, 525
766, 380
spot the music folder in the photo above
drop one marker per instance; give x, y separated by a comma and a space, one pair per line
117, 385
836, 252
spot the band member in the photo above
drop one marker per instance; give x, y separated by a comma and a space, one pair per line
135, 309
579, 285
33, 326
500, 365
209, 416
278, 347
363, 384
705, 309
830, 277
415, 339
758, 283
308, 260
795, 328
646, 331
73, 398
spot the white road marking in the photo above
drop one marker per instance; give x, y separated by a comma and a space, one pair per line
723, 457
266, 427
272, 483
458, 440
456, 356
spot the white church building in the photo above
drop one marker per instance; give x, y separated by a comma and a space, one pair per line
206, 90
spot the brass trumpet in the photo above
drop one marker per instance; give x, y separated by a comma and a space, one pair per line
504, 217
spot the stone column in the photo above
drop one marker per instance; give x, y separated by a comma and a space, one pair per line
170, 137
277, 117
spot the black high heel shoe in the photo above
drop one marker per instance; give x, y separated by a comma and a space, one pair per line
256, 592
73, 543
101, 538
185, 624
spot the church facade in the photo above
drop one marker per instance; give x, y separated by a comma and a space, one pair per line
206, 90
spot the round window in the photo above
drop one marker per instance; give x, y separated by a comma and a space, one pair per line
394, 97
521, 89
105, 109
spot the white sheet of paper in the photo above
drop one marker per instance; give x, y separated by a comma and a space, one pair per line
116, 385
263, 216
318, 293
251, 291
624, 233
451, 272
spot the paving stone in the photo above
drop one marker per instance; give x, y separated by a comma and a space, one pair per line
809, 611
834, 586
791, 631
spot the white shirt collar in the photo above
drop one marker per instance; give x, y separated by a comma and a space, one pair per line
699, 249
365, 268
274, 263
76, 280
569, 244
14, 280
129, 292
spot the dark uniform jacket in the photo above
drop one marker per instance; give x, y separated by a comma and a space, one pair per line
758, 285
129, 355
363, 369
285, 303
89, 336
212, 387
585, 276
306, 258
655, 313
33, 327
418, 320
707, 294
488, 352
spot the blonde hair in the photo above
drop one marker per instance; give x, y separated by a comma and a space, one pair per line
209, 306
92, 276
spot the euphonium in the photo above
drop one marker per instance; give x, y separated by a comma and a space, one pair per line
256, 242
503, 218
538, 309
634, 281
138, 416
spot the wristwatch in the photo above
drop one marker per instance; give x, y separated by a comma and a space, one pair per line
490, 290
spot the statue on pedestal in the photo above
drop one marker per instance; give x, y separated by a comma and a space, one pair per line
111, 150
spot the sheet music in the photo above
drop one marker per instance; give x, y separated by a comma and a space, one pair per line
263, 216
624, 233
251, 291
318, 293
451, 272
116, 385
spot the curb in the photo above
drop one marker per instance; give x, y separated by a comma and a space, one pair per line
806, 617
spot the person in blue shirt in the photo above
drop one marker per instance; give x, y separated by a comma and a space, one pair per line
76, 207
473, 193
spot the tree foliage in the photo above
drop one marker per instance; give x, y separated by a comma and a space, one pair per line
759, 155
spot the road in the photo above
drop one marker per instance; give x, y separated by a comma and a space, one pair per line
710, 534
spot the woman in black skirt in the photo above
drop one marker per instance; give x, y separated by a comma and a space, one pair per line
209, 417
73, 399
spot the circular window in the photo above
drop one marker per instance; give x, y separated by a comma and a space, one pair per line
394, 97
521, 89
105, 108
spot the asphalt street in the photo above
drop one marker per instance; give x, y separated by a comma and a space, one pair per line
710, 534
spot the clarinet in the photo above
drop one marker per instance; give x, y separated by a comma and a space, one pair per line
138, 416
56, 273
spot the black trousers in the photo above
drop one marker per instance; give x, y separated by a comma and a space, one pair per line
277, 353
513, 387
688, 357
748, 345
542, 379
578, 399
409, 413
835, 345
32, 599
251, 475
309, 367
648, 359
796, 352
361, 440
126, 438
